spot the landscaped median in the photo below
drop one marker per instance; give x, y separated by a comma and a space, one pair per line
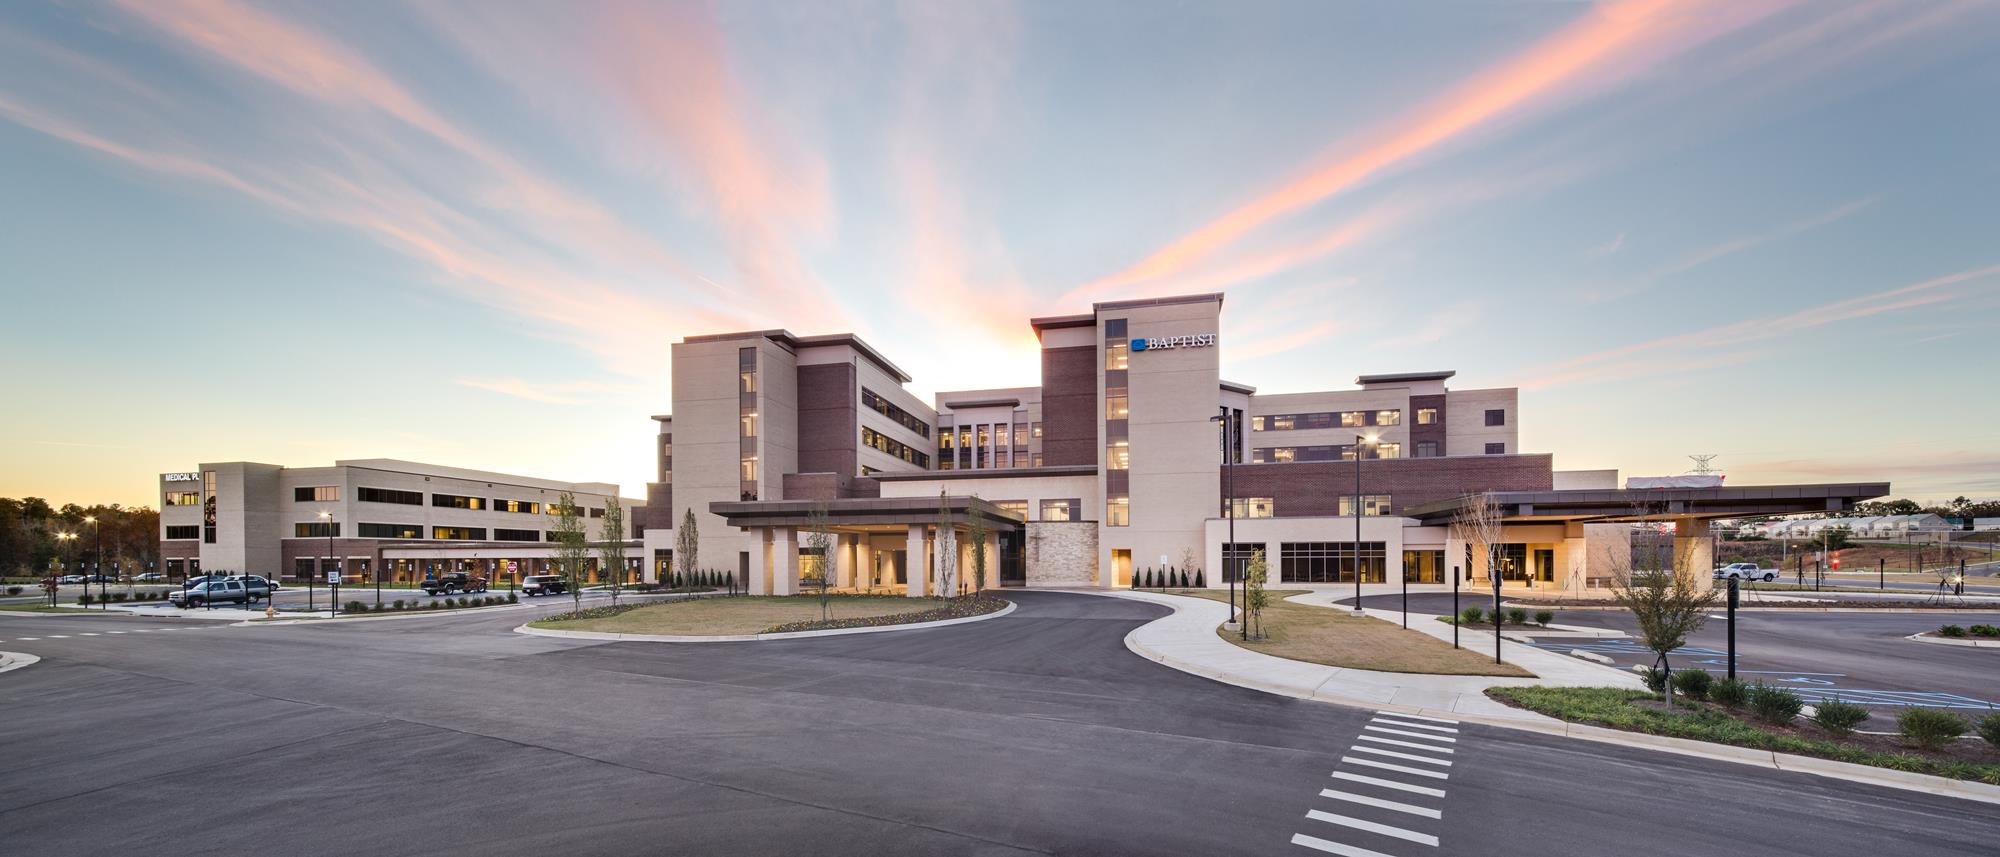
1338, 638
747, 617
1764, 719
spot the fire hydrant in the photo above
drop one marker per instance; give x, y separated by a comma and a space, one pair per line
270, 611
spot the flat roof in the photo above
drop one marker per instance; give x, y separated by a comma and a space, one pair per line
1054, 321
392, 465
1613, 505
984, 403
1167, 300
1236, 387
795, 342
1396, 377
876, 512
988, 473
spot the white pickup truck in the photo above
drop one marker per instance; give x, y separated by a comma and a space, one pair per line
1745, 571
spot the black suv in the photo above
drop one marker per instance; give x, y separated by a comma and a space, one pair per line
454, 582
543, 584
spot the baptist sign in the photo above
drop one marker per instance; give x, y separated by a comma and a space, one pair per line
1163, 343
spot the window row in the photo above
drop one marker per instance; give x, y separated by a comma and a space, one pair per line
1331, 452
190, 531
889, 409
1331, 562
883, 443
182, 498
320, 494
1326, 420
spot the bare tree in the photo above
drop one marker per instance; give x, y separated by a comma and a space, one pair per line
818, 543
1187, 563
572, 547
1477, 526
975, 532
611, 545
946, 549
1255, 599
687, 548
1668, 604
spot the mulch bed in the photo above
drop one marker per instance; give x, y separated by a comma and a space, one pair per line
951, 608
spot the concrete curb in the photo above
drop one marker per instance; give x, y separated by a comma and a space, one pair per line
1924, 637
748, 638
10, 661
1741, 609
1537, 723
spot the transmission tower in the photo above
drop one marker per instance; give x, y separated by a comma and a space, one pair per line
1703, 464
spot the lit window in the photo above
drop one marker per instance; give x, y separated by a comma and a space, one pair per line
1116, 407
749, 425
1388, 450
747, 382
1371, 505
1118, 456
750, 469
1253, 507
1284, 453
1058, 510
1350, 419
1115, 354
1256, 423
1427, 416
1118, 512
1284, 423
1389, 418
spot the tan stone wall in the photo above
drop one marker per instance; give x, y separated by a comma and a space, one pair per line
1062, 554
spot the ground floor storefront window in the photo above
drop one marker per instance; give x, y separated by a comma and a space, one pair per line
1424, 566
1331, 562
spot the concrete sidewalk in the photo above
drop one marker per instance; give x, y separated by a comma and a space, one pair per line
1187, 641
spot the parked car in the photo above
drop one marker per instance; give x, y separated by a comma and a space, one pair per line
199, 579
543, 584
1745, 571
210, 592
74, 578
258, 587
101, 578
454, 582
150, 577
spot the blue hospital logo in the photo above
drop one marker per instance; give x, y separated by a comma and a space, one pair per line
1138, 345
1163, 343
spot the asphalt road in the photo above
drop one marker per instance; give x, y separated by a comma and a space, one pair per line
1031, 733
1860, 657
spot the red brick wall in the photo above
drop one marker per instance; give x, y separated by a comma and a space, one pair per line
829, 430
1309, 488
1432, 432
1069, 405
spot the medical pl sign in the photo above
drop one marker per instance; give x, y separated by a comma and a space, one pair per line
1163, 343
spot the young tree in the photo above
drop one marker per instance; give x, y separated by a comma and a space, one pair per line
946, 549
975, 530
1668, 604
1187, 566
1254, 597
819, 542
572, 547
611, 547
687, 544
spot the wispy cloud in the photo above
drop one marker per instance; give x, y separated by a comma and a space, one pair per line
1605, 249
556, 394
1731, 247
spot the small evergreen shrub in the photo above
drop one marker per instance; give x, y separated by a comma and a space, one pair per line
1839, 717
1694, 683
1951, 631
1655, 679
117, 596
1472, 616
398, 605
13, 590
1929, 728
1728, 691
1200, 582
1517, 617
86, 599
1185, 580
1988, 727
1774, 705
1544, 617
355, 607
1977, 630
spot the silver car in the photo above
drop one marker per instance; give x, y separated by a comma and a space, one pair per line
210, 592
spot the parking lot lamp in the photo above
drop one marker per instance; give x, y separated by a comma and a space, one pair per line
96, 560
1229, 447
1370, 440
68, 541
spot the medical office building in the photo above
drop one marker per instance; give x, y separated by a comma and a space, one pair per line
1121, 460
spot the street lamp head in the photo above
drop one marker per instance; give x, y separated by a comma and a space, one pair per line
90, 519
325, 515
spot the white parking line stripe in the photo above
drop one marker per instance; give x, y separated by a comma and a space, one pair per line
1371, 763
1319, 844
1418, 717
1372, 827
1388, 784
1359, 748
1445, 738
88, 634
27, 639
1379, 803
1387, 722
114, 632
1431, 747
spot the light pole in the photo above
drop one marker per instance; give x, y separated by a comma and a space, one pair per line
96, 561
69, 552
326, 523
1371, 440
1230, 444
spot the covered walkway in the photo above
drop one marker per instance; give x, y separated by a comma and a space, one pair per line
878, 544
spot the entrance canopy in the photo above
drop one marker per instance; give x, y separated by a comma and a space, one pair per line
884, 513
1614, 505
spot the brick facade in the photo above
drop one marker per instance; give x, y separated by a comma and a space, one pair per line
1314, 488
829, 429
1434, 432
1069, 405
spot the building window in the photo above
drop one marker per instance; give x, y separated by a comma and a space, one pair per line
1372, 505
182, 498
385, 495
1236, 556
317, 530
1118, 511
883, 443
324, 494
1385, 450
746, 366
1116, 352
1389, 418
1017, 508
1423, 566
889, 409
190, 531
454, 501
965, 448
470, 534
390, 531
208, 507
597, 513
1058, 510
1427, 416
746, 379
749, 427
666, 457
1256, 423
983, 452
523, 506
505, 535
1254, 507
1330, 562
1496, 417
1283, 423
1118, 456
749, 469
1496, 449
1353, 419
1427, 449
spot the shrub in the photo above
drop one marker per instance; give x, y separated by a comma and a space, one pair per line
1729, 691
1517, 617
1988, 727
1774, 705
1929, 728
355, 607
1694, 683
399, 604
1473, 615
1838, 717
13, 590
117, 596
1977, 630
1200, 582
1655, 679
86, 598
1951, 631
1185, 580
1544, 617
513, 598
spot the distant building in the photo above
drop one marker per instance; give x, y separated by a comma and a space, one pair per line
1871, 527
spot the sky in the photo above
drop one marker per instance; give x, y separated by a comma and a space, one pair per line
468, 233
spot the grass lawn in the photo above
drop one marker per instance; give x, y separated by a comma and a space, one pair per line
44, 608
1337, 638
746, 614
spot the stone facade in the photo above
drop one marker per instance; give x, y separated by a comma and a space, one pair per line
1062, 553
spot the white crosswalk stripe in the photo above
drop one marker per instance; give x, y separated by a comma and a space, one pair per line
1372, 827
1379, 803
1445, 738
1387, 722
1319, 844
1366, 801
1418, 717
1388, 784
1431, 747
1389, 766
1428, 760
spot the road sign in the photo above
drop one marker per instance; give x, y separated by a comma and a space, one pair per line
333, 578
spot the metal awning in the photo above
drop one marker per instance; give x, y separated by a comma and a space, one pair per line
866, 512
1613, 505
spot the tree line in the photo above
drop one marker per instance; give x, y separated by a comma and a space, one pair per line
29, 527
1959, 507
